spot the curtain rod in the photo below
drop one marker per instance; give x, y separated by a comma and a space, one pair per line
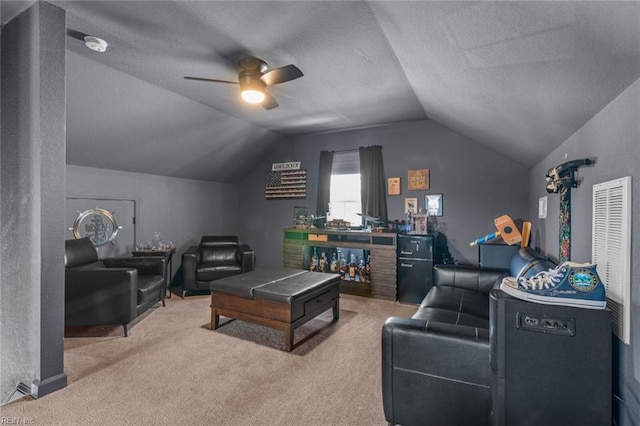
354, 149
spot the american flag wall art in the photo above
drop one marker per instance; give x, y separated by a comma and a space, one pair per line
286, 184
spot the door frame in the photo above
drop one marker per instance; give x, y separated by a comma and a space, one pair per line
136, 207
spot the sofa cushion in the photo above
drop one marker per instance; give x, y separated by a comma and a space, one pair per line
451, 317
149, 286
218, 241
468, 277
212, 271
453, 305
79, 252
98, 264
219, 254
458, 300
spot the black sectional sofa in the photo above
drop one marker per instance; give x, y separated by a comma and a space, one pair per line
435, 365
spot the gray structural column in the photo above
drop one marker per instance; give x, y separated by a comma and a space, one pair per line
32, 181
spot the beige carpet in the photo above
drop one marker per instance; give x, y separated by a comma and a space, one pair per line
173, 370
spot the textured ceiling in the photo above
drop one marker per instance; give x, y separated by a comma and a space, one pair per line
517, 77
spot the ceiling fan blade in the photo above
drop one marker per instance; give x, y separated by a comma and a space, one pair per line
269, 101
211, 80
282, 74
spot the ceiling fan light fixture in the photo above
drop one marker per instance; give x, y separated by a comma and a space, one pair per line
253, 96
254, 77
251, 87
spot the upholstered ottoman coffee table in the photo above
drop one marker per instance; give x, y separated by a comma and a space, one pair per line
283, 299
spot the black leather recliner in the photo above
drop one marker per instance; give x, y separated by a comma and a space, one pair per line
435, 365
112, 290
214, 258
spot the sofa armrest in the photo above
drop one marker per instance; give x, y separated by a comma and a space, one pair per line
190, 260
145, 265
100, 296
435, 371
468, 277
247, 257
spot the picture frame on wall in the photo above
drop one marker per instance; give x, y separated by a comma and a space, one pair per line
393, 186
418, 179
433, 204
411, 205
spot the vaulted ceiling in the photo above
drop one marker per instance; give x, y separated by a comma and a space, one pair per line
517, 77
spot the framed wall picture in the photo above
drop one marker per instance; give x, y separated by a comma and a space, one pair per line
393, 186
418, 179
411, 205
433, 204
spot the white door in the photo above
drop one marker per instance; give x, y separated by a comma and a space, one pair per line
109, 223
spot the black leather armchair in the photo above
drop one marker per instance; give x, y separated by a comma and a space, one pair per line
109, 291
435, 365
214, 258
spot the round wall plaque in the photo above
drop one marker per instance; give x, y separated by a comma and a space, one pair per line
98, 224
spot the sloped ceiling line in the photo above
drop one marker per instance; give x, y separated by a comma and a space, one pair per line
517, 77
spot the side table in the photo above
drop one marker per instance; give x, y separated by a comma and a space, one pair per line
167, 254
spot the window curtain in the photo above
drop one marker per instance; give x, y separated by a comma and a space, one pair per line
324, 182
372, 181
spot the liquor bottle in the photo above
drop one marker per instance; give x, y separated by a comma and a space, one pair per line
314, 261
352, 267
367, 269
334, 263
341, 264
361, 270
344, 268
322, 266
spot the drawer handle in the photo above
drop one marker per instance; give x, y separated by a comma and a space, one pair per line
405, 252
406, 265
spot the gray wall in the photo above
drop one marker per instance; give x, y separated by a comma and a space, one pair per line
612, 136
182, 210
478, 184
32, 188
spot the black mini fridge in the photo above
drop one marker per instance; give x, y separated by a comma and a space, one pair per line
416, 256
550, 365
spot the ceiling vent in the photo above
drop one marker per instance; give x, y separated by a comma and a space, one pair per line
611, 249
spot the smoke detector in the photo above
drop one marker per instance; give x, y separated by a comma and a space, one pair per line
95, 43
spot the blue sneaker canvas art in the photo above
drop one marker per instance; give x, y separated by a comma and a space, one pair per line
569, 284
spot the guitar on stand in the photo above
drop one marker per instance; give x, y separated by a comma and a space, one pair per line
561, 179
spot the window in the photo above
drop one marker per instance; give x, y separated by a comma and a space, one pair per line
345, 199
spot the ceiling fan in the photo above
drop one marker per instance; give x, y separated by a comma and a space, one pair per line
255, 76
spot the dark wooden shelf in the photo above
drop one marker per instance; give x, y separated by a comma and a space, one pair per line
380, 246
